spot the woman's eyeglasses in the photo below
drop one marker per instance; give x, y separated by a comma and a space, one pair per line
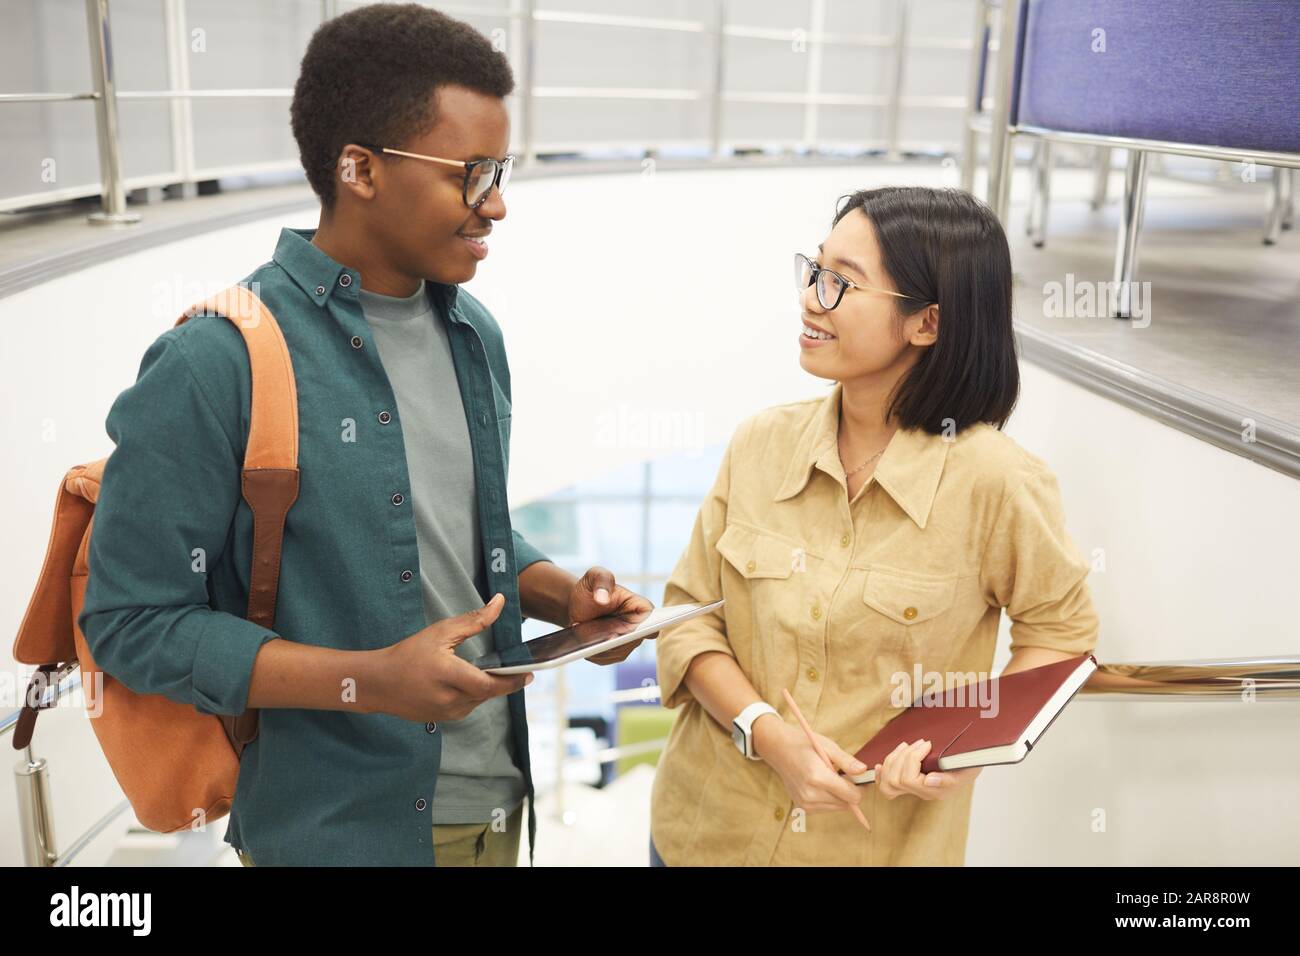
831, 286
480, 175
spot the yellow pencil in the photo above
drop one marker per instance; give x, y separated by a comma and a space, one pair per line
857, 810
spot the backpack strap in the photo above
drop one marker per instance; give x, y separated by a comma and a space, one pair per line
269, 480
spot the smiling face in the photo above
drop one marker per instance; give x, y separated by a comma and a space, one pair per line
865, 339
417, 210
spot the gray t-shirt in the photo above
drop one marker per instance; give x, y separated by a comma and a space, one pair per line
478, 773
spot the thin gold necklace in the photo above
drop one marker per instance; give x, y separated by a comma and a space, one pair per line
848, 474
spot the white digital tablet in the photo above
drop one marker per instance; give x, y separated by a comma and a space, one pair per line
587, 639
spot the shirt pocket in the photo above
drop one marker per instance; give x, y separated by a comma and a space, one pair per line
918, 613
756, 555
763, 596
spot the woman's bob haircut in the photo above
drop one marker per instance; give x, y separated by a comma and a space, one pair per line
944, 246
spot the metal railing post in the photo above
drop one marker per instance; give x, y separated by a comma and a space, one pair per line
719, 75
1001, 143
561, 744
527, 80
813, 73
894, 132
112, 191
35, 812
975, 95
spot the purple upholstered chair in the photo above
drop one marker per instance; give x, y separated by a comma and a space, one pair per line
1216, 79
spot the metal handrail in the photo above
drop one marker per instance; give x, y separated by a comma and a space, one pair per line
96, 828
525, 15
1226, 679
252, 93
1274, 677
46, 97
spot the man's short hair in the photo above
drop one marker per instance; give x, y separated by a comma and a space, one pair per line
368, 77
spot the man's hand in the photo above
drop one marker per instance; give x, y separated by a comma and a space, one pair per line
424, 680
901, 774
596, 594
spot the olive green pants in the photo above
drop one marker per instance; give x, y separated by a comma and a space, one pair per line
468, 844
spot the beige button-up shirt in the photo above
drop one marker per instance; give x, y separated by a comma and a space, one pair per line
853, 606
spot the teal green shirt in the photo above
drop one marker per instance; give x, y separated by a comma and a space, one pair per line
172, 544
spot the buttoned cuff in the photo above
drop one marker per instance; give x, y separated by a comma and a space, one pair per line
223, 663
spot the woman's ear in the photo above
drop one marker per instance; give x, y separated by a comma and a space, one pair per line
927, 332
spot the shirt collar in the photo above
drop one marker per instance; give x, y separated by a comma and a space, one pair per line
320, 276
909, 470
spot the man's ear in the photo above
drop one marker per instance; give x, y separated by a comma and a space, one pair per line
928, 331
357, 170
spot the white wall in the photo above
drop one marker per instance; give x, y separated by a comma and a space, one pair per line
1201, 561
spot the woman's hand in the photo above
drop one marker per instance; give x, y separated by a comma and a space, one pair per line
812, 786
901, 774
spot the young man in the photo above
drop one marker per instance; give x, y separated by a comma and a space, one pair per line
378, 743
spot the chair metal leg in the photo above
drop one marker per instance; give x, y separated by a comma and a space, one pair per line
1288, 213
1280, 205
1130, 228
1040, 196
1101, 185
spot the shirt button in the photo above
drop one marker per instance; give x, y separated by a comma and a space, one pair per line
420, 804
812, 673
385, 418
320, 290
431, 727
407, 575
750, 567
356, 342
398, 499
345, 280
816, 613
909, 612
844, 540
778, 813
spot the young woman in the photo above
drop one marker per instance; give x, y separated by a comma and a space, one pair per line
865, 543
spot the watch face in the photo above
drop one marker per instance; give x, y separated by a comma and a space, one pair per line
738, 737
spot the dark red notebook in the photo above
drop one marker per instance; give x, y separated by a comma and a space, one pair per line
996, 721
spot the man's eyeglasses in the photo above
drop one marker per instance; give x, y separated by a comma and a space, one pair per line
831, 286
480, 175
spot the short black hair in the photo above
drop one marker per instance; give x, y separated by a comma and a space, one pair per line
368, 76
945, 247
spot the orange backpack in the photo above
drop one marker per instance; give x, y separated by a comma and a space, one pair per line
175, 764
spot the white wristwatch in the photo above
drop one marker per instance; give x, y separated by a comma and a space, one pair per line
742, 728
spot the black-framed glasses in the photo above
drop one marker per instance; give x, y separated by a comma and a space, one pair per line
480, 174
831, 286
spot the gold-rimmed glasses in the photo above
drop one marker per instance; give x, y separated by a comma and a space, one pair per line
831, 286
480, 174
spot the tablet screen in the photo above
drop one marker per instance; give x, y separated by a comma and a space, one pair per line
559, 644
